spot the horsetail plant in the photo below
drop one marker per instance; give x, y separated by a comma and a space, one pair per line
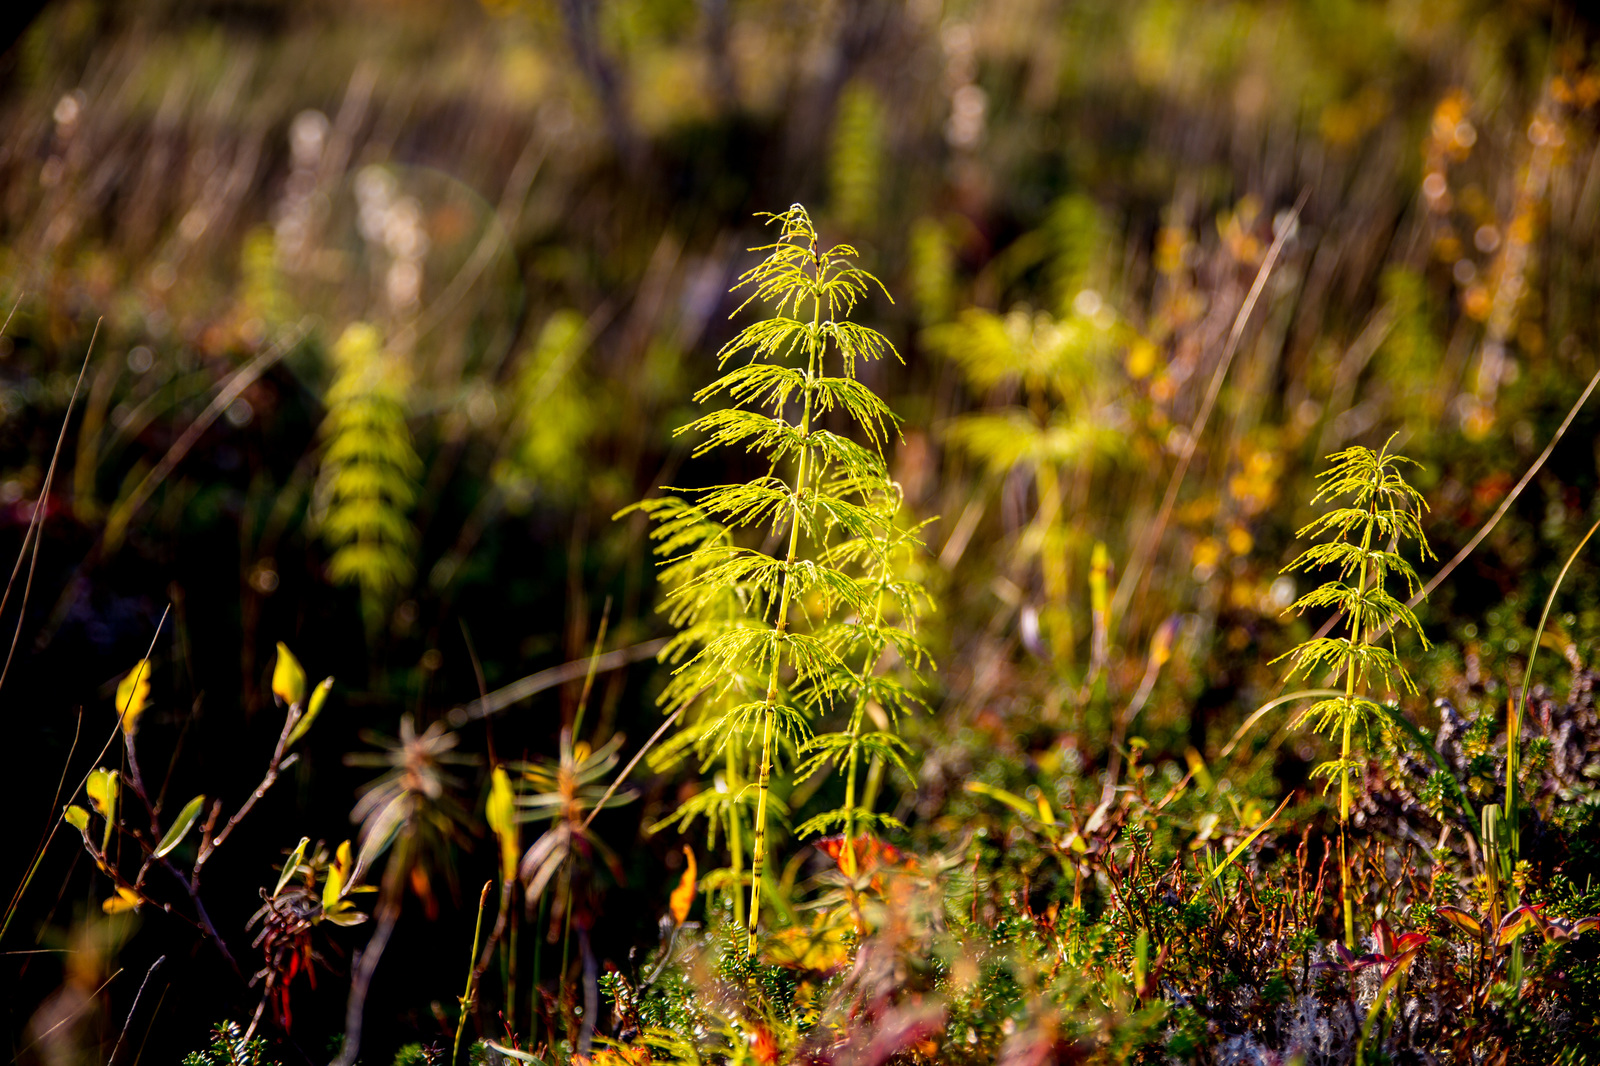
1383, 509
772, 636
370, 468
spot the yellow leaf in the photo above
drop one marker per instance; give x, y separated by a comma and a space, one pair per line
824, 947
102, 790
502, 817
133, 695
338, 875
288, 677
125, 900
1099, 567
103, 787
1141, 358
1161, 643
76, 817
683, 895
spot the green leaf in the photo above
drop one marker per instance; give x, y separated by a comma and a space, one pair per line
180, 826
289, 867
319, 696
512, 1053
1010, 799
382, 830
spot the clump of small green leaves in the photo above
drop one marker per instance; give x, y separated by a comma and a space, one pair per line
773, 635
1360, 542
230, 1047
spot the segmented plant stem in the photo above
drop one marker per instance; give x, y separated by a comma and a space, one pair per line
758, 857
1357, 635
472, 974
735, 842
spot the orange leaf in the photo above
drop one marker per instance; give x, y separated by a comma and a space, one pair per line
870, 852
763, 1048
1459, 918
683, 895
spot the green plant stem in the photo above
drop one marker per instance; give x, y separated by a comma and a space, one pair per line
1054, 563
869, 794
735, 843
1356, 636
758, 856
847, 857
538, 958
566, 949
472, 973
588, 677
511, 963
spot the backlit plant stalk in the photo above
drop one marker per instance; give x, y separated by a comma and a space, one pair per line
1383, 510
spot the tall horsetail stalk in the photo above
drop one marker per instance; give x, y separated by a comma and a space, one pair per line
770, 634
1383, 508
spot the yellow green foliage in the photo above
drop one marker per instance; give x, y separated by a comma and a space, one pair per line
554, 415
855, 169
932, 270
369, 470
